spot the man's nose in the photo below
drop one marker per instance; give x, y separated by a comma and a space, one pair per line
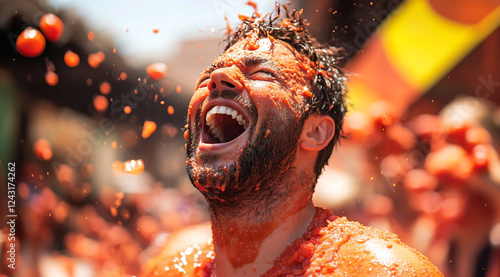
225, 79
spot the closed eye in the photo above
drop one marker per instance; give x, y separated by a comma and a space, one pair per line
203, 81
263, 75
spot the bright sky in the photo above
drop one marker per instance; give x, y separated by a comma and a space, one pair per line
176, 20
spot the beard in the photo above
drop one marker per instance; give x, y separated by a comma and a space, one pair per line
259, 175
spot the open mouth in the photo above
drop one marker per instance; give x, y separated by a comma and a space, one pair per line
223, 124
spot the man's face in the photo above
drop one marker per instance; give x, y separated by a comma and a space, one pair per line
244, 120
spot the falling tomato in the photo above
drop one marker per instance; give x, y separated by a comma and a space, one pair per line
51, 78
101, 103
71, 59
30, 43
42, 149
114, 211
105, 88
156, 71
52, 27
133, 166
170, 110
148, 129
96, 59
123, 76
90, 35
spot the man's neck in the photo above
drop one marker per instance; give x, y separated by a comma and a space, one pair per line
246, 247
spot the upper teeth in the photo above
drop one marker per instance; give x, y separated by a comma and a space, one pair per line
223, 110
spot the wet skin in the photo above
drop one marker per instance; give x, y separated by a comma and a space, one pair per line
258, 180
252, 182
266, 87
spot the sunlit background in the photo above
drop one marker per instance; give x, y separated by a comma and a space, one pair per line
100, 184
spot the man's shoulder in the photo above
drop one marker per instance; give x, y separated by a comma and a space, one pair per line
349, 248
186, 253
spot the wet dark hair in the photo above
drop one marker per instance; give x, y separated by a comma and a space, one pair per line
328, 83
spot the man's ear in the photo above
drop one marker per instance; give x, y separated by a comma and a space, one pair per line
317, 133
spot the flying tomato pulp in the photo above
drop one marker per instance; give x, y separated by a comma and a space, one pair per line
30, 43
156, 71
51, 78
148, 129
71, 59
52, 27
135, 167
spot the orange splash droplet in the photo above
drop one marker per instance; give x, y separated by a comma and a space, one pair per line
105, 88
114, 144
30, 43
170, 110
156, 71
96, 59
51, 78
119, 195
134, 166
155, 31
254, 5
42, 149
101, 103
71, 59
52, 27
90, 35
178, 89
123, 76
148, 128
114, 211
127, 109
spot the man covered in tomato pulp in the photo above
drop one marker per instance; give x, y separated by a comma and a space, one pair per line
262, 123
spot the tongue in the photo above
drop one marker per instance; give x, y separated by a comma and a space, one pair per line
229, 127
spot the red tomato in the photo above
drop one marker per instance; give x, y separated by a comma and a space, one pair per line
52, 27
30, 43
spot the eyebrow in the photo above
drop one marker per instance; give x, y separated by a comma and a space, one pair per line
253, 61
247, 62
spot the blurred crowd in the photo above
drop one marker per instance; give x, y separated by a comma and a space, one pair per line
100, 191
